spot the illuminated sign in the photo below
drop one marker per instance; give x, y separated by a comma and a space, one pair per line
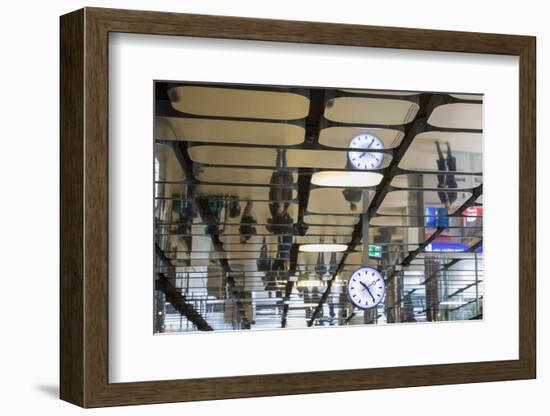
375, 250
471, 215
449, 247
436, 217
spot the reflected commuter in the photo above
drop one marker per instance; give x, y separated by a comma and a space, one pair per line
280, 193
246, 229
446, 181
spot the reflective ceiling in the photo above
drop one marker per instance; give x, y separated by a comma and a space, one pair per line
249, 177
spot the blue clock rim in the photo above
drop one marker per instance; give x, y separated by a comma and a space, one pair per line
383, 283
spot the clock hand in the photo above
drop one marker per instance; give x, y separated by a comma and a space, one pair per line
368, 290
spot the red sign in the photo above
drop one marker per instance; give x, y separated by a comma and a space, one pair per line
471, 215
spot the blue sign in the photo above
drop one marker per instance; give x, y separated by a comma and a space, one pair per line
442, 246
449, 247
436, 217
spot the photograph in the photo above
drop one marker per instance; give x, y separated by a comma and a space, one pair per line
279, 207
276, 204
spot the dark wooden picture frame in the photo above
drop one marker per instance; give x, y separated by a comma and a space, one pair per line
84, 207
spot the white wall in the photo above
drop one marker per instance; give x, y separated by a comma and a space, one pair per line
29, 208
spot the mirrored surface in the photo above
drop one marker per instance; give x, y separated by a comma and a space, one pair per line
265, 206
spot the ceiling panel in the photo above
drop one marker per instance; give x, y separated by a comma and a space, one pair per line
422, 155
380, 111
457, 116
229, 131
339, 136
333, 201
242, 156
236, 175
236, 102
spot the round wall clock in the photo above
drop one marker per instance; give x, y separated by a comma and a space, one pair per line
366, 287
362, 160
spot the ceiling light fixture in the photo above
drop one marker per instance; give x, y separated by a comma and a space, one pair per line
301, 305
323, 248
346, 179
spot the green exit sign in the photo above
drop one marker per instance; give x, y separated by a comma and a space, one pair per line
375, 250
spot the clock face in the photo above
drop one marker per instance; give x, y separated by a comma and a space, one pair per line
365, 160
366, 288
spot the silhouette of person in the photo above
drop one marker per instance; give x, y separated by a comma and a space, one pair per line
446, 181
280, 192
246, 228
353, 196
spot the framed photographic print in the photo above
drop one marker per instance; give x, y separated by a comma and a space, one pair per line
256, 207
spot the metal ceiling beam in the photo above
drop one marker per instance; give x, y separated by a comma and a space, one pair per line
178, 301
313, 129
213, 225
180, 151
173, 295
411, 130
